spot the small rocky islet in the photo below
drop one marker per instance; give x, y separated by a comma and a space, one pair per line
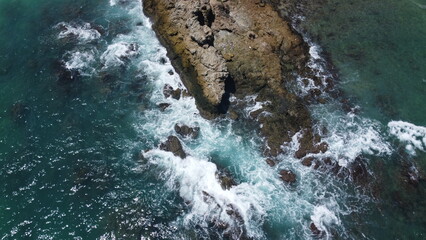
240, 48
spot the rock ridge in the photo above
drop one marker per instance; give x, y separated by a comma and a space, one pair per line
240, 48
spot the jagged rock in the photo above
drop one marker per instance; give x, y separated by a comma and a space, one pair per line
233, 115
310, 143
236, 47
163, 61
288, 176
185, 93
173, 145
307, 161
168, 91
270, 162
226, 180
186, 131
235, 213
315, 231
163, 106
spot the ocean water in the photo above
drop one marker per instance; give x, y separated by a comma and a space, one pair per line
80, 128
378, 50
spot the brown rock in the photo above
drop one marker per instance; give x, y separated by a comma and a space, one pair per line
288, 176
309, 143
233, 115
270, 162
315, 231
236, 47
168, 91
322, 147
225, 179
308, 161
186, 131
163, 106
173, 145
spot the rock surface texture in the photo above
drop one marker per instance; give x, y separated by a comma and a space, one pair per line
242, 48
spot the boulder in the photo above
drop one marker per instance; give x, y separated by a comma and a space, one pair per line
186, 131
226, 180
163, 106
233, 115
307, 161
172, 144
168, 91
315, 231
270, 162
288, 176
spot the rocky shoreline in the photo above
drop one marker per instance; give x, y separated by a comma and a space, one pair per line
240, 48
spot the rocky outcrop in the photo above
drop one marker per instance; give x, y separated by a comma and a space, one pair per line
172, 144
168, 91
239, 47
287, 176
186, 131
315, 231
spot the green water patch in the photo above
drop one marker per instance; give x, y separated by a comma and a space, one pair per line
380, 52
68, 150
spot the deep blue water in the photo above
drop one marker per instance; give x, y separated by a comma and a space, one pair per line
80, 128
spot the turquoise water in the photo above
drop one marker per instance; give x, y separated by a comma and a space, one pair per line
80, 128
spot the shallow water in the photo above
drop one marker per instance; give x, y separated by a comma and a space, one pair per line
80, 159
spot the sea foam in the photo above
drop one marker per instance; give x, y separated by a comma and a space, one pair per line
81, 61
414, 137
82, 31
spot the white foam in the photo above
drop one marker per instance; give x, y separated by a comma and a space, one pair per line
413, 136
252, 105
350, 136
80, 61
197, 184
82, 31
112, 2
117, 54
314, 51
324, 217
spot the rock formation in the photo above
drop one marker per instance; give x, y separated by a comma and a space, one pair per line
239, 47
173, 145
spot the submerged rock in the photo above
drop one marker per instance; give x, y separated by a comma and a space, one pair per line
173, 145
186, 131
64, 75
19, 111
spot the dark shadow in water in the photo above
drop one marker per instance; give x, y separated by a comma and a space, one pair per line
229, 89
